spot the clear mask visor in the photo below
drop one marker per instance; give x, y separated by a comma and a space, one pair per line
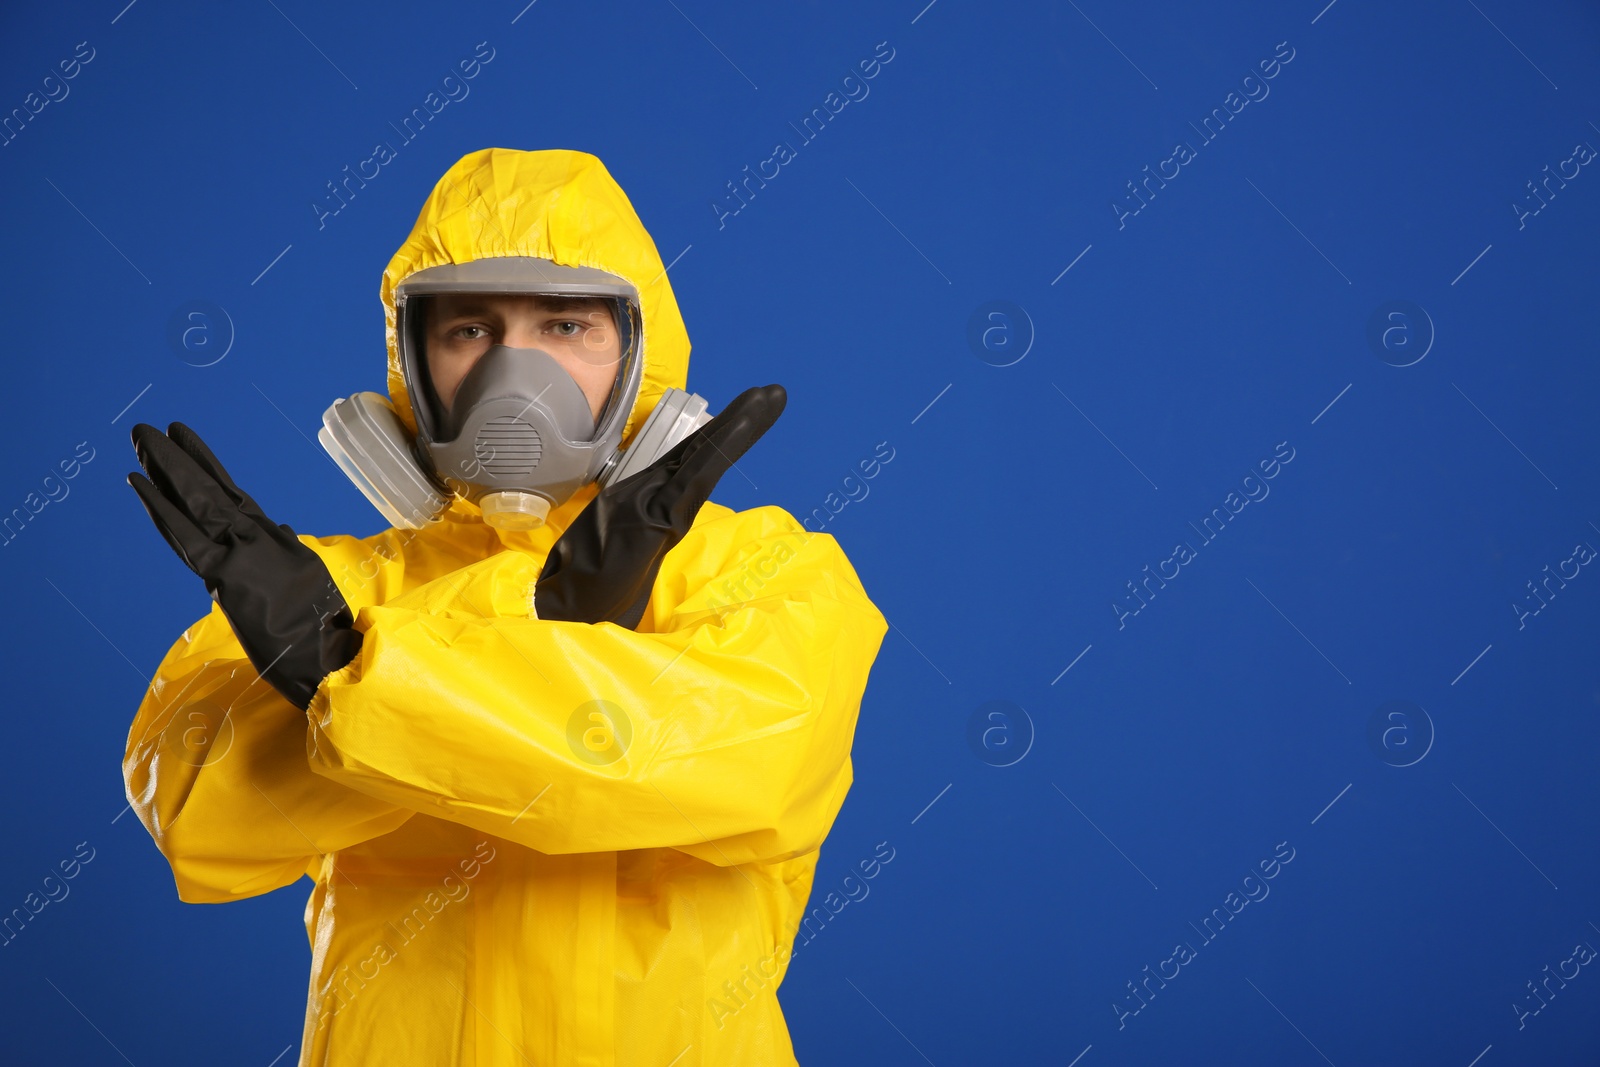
591, 338
585, 319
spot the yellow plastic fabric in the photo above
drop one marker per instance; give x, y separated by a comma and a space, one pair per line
495, 882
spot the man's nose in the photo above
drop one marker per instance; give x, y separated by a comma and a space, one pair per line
520, 337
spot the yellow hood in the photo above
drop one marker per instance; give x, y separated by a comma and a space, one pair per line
559, 205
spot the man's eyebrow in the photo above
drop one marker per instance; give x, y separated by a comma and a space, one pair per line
548, 304
458, 311
570, 303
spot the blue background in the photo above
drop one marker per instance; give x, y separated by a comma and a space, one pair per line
1185, 743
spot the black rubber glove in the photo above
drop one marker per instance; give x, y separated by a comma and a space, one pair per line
285, 609
602, 567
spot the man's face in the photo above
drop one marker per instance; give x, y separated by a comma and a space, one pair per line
580, 334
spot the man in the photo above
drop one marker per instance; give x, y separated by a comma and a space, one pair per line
558, 757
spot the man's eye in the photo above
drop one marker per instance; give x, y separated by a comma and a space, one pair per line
464, 335
569, 328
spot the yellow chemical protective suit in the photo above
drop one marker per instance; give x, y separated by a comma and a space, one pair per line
489, 890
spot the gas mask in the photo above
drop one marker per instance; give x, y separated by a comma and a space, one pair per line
519, 436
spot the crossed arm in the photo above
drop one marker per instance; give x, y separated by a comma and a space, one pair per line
725, 728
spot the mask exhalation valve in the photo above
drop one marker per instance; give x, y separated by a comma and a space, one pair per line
513, 510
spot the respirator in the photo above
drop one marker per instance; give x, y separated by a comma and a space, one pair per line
519, 436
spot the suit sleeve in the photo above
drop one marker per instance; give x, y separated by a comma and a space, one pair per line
721, 727
215, 767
